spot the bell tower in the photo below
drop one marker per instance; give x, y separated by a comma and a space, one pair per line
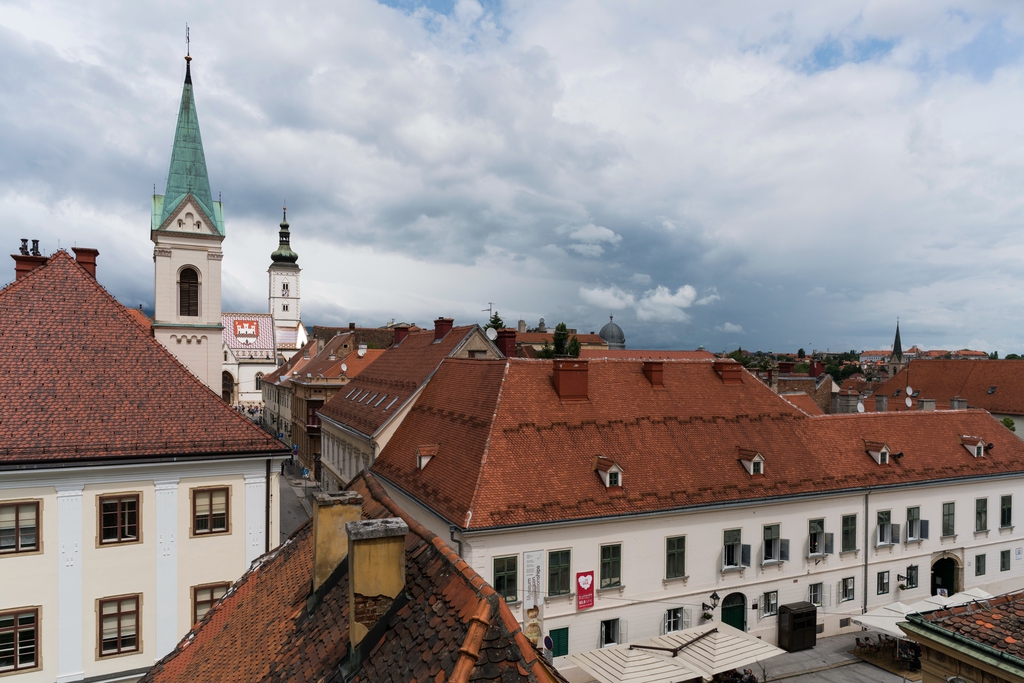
283, 294
187, 229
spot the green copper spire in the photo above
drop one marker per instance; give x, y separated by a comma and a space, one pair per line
897, 346
187, 173
284, 256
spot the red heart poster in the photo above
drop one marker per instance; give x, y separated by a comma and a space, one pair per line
585, 590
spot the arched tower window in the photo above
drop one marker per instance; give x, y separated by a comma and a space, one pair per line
259, 381
188, 292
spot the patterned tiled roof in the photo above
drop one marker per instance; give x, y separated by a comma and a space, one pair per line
501, 421
640, 354
248, 331
381, 390
104, 388
946, 379
289, 335
995, 624
373, 337
453, 628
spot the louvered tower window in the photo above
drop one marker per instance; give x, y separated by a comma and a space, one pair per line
188, 293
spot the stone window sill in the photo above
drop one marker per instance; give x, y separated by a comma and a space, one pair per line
560, 596
608, 589
673, 579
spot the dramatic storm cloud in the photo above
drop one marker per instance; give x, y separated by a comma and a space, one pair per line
776, 175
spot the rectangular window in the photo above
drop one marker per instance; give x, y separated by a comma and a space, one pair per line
979, 565
558, 572
675, 557
770, 603
949, 519
675, 619
506, 577
1004, 560
119, 618
609, 632
912, 576
884, 527
204, 597
19, 644
981, 514
883, 583
611, 566
559, 641
816, 537
19, 528
846, 589
732, 550
1006, 511
119, 519
210, 511
849, 533
613, 479
914, 524
770, 551
814, 594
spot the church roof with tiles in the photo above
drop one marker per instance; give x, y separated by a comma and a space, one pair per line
501, 421
85, 382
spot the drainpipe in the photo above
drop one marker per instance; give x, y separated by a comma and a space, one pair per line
867, 544
451, 530
266, 524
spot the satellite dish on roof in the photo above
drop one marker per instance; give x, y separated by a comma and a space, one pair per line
491, 333
908, 401
910, 390
860, 406
344, 367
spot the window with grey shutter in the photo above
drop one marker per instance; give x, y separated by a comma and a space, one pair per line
745, 559
829, 544
784, 550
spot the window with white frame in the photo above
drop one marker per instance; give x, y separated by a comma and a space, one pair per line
770, 603
846, 589
979, 564
949, 519
917, 528
676, 619
883, 583
981, 514
611, 632
772, 549
912, 574
886, 528
734, 553
815, 594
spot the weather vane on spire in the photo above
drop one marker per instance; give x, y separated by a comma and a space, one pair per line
188, 46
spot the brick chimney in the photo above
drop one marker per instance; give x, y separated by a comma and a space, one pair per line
957, 403
351, 327
570, 378
87, 259
653, 372
506, 342
331, 513
26, 261
401, 332
442, 326
376, 572
881, 403
817, 368
926, 404
786, 367
729, 370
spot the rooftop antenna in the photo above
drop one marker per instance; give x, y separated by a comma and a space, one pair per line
188, 45
489, 309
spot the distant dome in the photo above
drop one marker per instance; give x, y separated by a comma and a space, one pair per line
613, 335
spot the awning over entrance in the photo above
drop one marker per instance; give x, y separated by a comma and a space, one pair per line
885, 618
701, 651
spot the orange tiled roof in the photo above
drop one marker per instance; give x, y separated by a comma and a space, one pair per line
104, 388
646, 355
343, 349
946, 379
373, 337
142, 319
995, 624
380, 391
501, 421
282, 375
541, 337
804, 402
454, 628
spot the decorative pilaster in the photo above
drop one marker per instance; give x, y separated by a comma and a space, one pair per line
166, 602
69, 583
255, 516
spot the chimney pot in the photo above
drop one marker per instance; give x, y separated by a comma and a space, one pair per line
35, 248
331, 514
442, 326
351, 326
926, 404
881, 403
957, 403
570, 379
506, 342
401, 332
729, 370
653, 371
376, 571
87, 259
26, 261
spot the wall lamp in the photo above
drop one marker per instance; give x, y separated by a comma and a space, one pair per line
714, 603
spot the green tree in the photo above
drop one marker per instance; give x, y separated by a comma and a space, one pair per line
1012, 356
994, 355
800, 353
574, 347
561, 340
1008, 423
547, 351
496, 322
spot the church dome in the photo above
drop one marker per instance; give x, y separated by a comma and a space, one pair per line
613, 335
284, 255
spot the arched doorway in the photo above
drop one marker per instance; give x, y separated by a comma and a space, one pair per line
227, 386
734, 611
946, 575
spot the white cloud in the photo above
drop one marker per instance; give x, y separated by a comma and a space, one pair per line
663, 306
595, 233
711, 297
730, 328
641, 279
609, 298
591, 250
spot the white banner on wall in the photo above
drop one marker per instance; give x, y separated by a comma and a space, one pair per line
533, 565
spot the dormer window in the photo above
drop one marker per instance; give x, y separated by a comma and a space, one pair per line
609, 471
752, 461
424, 454
878, 450
975, 445
991, 390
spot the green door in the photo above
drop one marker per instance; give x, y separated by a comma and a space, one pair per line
734, 611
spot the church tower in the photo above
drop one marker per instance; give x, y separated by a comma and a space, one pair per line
187, 228
283, 296
896, 360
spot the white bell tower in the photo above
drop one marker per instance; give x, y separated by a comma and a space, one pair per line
283, 297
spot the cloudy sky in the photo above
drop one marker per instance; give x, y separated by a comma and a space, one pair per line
767, 174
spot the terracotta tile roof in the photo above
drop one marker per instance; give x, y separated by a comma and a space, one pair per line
646, 355
339, 351
541, 337
946, 379
804, 402
142, 319
373, 337
104, 388
380, 391
454, 627
248, 331
494, 427
282, 375
995, 624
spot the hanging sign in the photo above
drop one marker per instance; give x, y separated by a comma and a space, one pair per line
533, 562
585, 590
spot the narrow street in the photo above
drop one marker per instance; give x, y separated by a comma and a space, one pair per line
296, 501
